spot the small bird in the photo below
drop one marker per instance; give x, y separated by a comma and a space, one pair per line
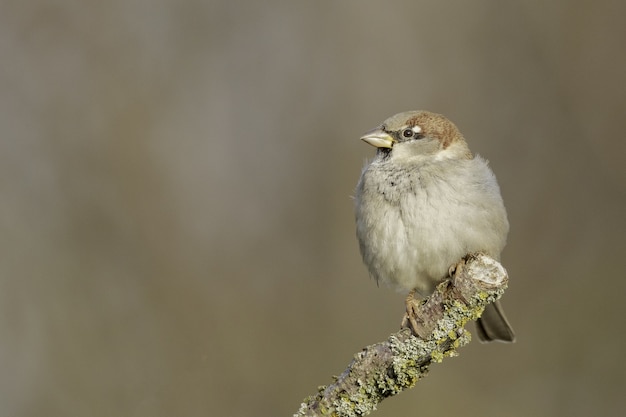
423, 203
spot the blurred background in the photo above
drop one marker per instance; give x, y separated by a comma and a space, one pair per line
176, 224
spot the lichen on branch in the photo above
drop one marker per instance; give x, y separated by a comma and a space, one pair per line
387, 368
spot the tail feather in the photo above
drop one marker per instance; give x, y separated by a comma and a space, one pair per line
493, 325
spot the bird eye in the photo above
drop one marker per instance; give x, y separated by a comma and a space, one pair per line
407, 133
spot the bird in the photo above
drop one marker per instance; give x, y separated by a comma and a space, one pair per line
423, 203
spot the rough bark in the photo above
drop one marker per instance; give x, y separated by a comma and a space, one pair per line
387, 368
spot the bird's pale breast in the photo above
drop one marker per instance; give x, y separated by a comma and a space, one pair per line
414, 222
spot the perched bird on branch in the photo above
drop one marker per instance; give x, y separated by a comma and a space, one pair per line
423, 203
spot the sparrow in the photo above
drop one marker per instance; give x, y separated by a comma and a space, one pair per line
424, 202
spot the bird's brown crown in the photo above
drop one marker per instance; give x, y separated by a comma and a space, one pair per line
432, 124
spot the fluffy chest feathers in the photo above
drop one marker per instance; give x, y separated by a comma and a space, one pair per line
415, 220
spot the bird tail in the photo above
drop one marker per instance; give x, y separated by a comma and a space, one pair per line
493, 325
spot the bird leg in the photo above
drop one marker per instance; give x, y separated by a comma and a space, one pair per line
411, 319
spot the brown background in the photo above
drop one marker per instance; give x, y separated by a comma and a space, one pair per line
177, 236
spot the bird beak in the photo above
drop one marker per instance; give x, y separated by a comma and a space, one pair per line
378, 138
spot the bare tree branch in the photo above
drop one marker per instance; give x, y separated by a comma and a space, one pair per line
387, 368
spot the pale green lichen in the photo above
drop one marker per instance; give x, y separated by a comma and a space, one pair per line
356, 405
410, 361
